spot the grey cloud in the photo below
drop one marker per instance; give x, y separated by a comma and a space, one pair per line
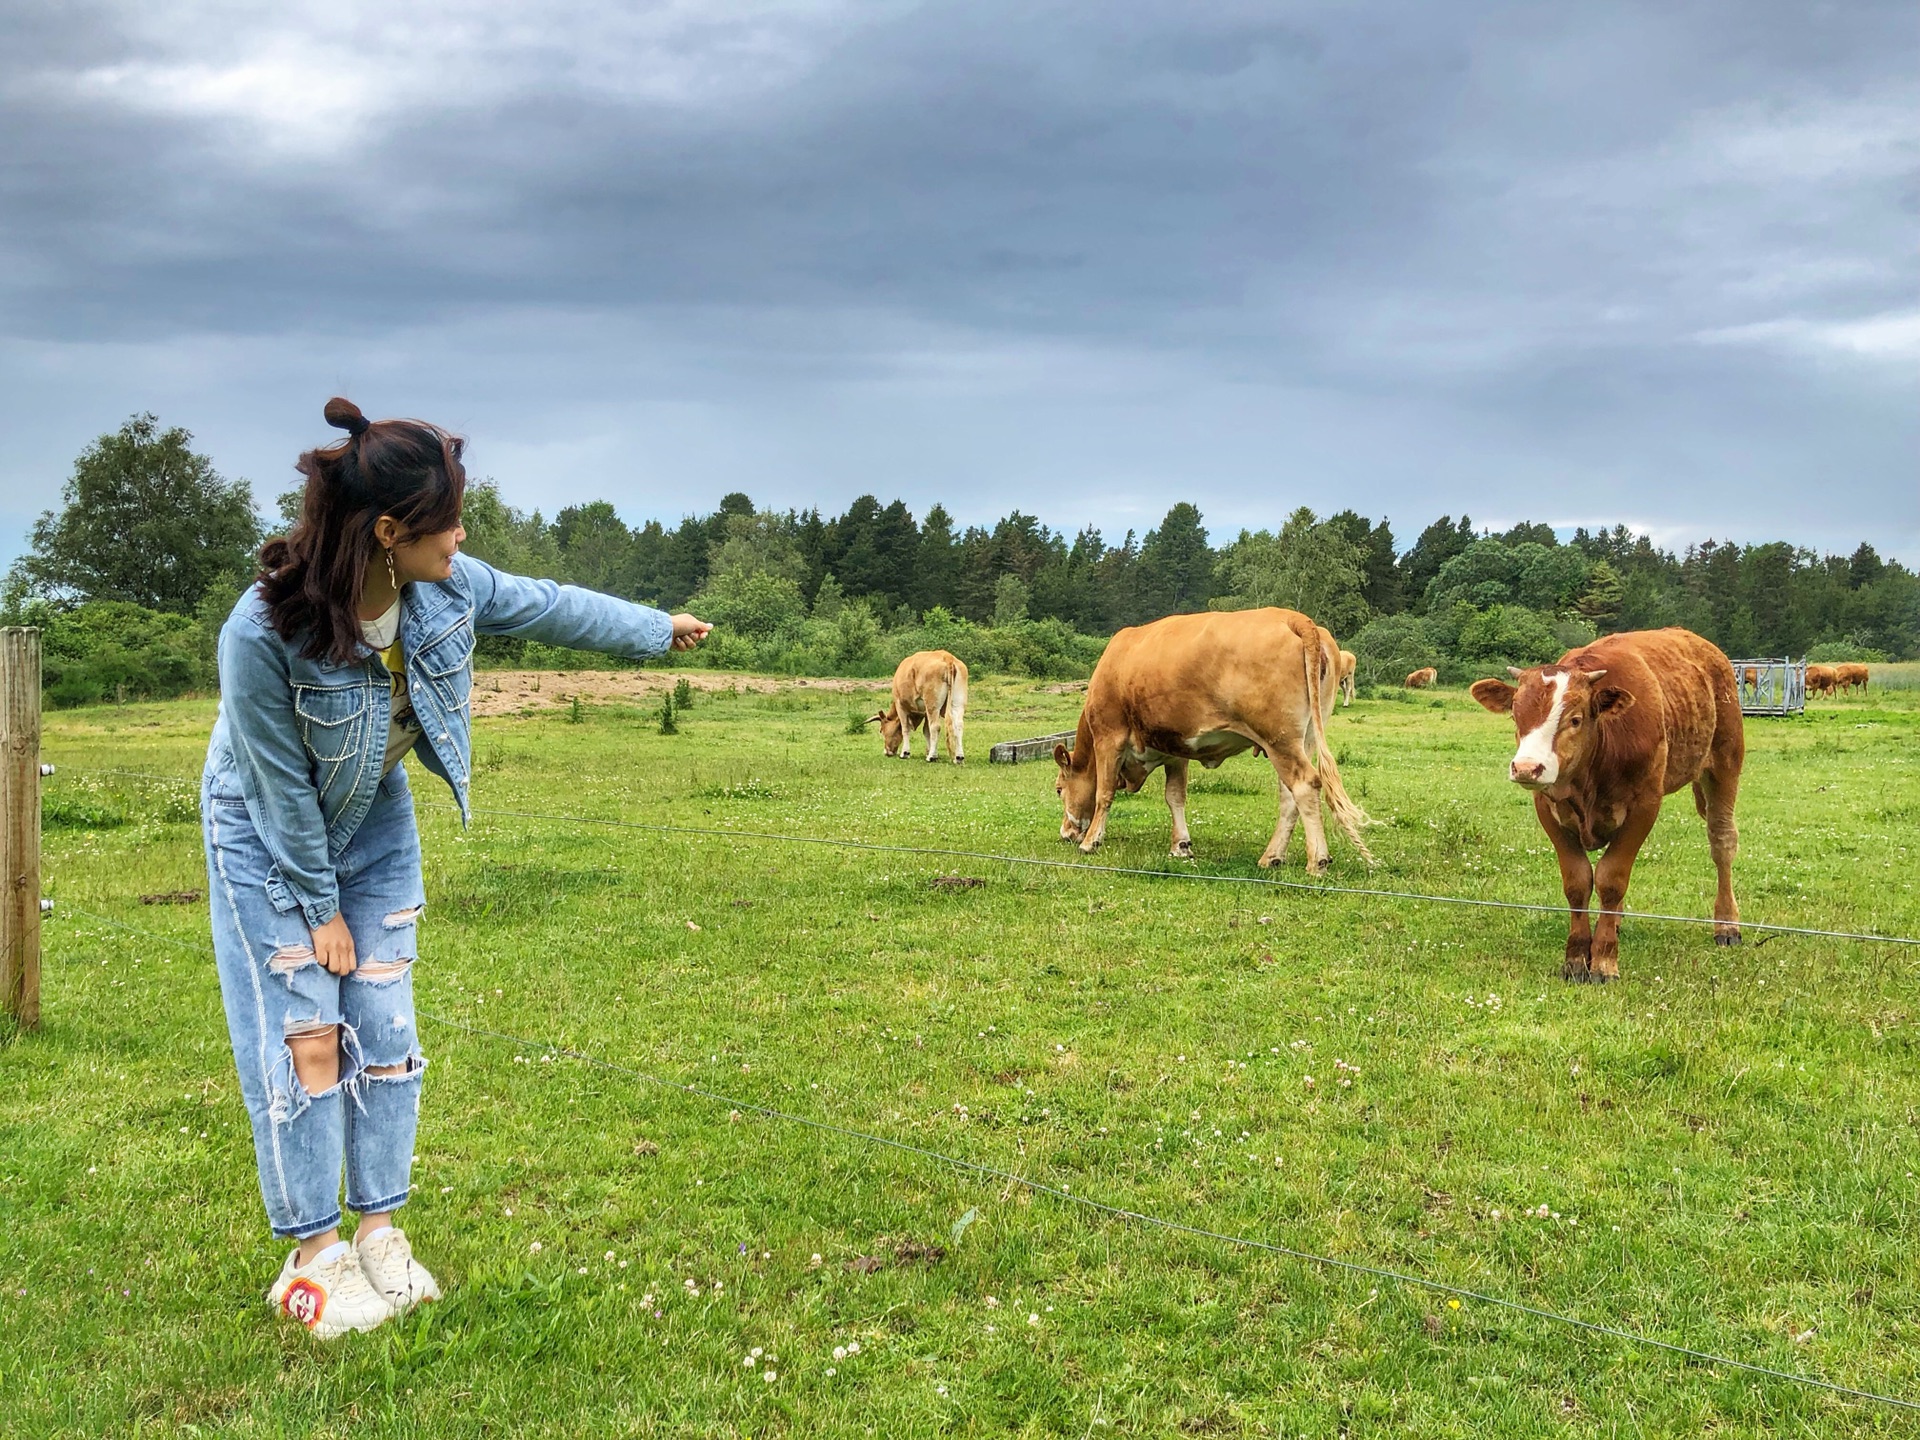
1613, 258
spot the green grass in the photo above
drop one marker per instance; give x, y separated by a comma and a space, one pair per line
1733, 1131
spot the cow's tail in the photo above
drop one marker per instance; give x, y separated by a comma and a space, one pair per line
1332, 792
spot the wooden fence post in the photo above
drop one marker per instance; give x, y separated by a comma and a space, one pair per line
20, 836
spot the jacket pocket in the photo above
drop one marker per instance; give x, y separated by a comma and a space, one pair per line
447, 661
331, 719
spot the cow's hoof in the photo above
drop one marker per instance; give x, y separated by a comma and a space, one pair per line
1575, 972
1183, 851
1727, 939
1086, 849
1600, 977
1319, 867
959, 759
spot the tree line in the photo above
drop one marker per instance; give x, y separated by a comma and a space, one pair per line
150, 531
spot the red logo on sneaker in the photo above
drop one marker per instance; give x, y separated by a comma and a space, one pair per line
304, 1301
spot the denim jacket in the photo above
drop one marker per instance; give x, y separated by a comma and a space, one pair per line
303, 742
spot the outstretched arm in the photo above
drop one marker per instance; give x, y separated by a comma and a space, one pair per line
557, 614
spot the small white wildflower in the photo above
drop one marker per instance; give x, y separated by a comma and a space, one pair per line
771, 1376
853, 1347
609, 1254
831, 1370
839, 1352
536, 1247
1033, 1319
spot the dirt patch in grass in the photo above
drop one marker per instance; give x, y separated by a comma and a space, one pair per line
506, 692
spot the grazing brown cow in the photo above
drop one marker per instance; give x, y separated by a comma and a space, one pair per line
1420, 679
928, 686
1821, 680
1845, 677
1348, 662
1750, 676
1606, 732
1204, 687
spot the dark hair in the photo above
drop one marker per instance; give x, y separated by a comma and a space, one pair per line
312, 577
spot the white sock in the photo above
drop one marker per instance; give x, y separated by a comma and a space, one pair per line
371, 1233
329, 1255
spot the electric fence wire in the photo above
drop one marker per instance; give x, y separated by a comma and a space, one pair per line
1085, 867
1116, 1212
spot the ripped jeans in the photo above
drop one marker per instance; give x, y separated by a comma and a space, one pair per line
273, 988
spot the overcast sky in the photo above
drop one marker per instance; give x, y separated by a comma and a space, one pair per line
1573, 263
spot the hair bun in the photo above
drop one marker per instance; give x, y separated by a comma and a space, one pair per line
345, 415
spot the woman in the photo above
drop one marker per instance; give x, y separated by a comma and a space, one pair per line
353, 649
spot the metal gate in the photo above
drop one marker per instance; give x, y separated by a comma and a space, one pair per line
1771, 687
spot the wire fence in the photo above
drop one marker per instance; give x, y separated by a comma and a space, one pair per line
1104, 1208
1088, 867
1065, 1196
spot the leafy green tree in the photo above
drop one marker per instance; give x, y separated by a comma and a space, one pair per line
938, 562
1309, 566
1438, 543
1599, 604
1176, 564
1009, 601
143, 520
596, 547
757, 544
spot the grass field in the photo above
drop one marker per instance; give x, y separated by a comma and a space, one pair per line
1724, 1142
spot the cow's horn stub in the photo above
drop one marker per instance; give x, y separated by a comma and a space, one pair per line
1593, 676
1516, 672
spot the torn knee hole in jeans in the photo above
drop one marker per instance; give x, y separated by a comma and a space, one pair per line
403, 1070
307, 1029
385, 969
403, 917
289, 958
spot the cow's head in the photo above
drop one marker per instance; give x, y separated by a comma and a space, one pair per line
892, 732
1558, 713
1075, 789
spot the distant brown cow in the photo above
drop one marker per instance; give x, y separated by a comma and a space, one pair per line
1751, 676
1420, 679
1821, 680
1605, 733
1204, 687
928, 686
1348, 662
1845, 677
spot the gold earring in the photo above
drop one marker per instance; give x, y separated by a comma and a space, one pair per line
391, 578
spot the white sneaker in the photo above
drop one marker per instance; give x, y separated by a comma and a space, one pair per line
388, 1261
330, 1294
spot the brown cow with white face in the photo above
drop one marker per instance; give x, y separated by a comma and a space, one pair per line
1605, 733
929, 688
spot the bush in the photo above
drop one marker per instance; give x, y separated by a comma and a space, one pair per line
1832, 652
1508, 633
112, 650
1389, 649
